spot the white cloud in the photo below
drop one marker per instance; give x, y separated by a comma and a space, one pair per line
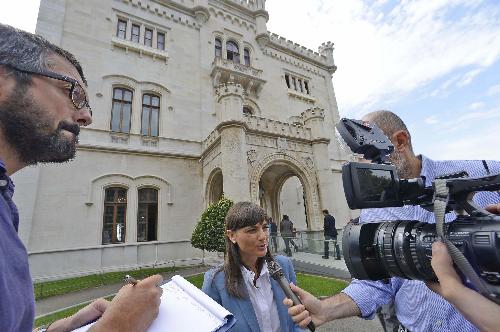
413, 44
476, 105
493, 90
468, 77
431, 120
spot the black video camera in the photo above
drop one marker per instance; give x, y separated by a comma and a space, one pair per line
403, 248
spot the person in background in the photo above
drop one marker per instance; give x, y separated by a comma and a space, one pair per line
242, 284
330, 233
286, 230
43, 104
273, 232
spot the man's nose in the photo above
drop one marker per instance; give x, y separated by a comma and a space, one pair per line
83, 116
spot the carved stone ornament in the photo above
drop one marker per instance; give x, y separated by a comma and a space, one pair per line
282, 144
251, 156
309, 162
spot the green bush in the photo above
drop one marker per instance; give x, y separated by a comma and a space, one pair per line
209, 233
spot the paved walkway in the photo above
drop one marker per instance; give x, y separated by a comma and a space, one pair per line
305, 262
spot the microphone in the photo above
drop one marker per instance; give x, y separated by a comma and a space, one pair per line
276, 273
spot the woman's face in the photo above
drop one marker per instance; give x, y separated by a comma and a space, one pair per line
252, 240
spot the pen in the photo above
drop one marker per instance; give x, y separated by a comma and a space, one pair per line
130, 280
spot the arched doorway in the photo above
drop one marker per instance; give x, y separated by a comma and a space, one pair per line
278, 177
215, 187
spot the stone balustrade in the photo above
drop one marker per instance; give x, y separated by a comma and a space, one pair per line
270, 126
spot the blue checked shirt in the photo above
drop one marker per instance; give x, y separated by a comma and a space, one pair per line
417, 307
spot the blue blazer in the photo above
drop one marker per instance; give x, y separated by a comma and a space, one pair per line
242, 309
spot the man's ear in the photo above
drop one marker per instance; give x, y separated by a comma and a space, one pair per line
401, 140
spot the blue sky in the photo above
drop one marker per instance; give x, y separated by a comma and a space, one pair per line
436, 63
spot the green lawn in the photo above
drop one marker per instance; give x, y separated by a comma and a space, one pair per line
52, 288
316, 285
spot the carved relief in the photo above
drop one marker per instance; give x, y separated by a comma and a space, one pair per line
309, 162
282, 144
251, 156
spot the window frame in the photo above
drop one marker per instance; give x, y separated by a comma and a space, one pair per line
235, 55
164, 38
122, 102
146, 30
124, 30
132, 35
151, 107
115, 204
246, 56
139, 202
218, 47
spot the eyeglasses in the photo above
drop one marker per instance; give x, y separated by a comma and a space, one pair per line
76, 92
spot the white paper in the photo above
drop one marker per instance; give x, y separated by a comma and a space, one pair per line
184, 307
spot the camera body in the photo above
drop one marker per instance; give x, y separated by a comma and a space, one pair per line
403, 248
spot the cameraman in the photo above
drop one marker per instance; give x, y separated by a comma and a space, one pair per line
417, 307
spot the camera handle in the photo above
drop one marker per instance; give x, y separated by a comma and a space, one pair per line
441, 198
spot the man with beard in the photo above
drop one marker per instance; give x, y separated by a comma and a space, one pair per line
43, 103
417, 307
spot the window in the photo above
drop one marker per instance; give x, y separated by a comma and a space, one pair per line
147, 215
287, 80
294, 83
306, 86
233, 53
148, 37
121, 29
246, 56
121, 110
300, 85
135, 33
150, 112
247, 110
218, 47
115, 208
160, 41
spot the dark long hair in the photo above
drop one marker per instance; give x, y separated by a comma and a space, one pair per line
241, 214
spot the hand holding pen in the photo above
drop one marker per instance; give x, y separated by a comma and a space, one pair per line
134, 307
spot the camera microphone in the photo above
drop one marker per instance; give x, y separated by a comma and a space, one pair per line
276, 273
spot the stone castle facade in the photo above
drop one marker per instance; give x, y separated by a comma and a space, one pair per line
190, 99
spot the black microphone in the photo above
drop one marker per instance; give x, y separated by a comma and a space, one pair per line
276, 273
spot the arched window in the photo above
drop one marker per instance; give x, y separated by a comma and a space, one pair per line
150, 114
246, 56
121, 110
147, 215
218, 47
233, 53
114, 219
247, 110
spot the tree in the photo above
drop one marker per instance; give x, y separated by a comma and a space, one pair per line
209, 234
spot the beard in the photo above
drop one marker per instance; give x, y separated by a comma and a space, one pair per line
402, 165
28, 129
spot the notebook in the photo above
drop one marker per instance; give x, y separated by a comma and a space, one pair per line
184, 307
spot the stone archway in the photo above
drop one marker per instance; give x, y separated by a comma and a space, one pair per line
269, 175
214, 188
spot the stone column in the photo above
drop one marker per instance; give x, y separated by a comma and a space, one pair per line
232, 129
314, 120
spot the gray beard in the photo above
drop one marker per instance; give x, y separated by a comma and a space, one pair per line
402, 165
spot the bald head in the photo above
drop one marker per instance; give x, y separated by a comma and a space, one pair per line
388, 122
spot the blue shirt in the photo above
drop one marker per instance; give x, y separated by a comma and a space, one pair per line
17, 302
417, 307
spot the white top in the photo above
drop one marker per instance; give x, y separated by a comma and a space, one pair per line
262, 298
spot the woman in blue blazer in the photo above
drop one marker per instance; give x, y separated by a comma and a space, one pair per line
242, 284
